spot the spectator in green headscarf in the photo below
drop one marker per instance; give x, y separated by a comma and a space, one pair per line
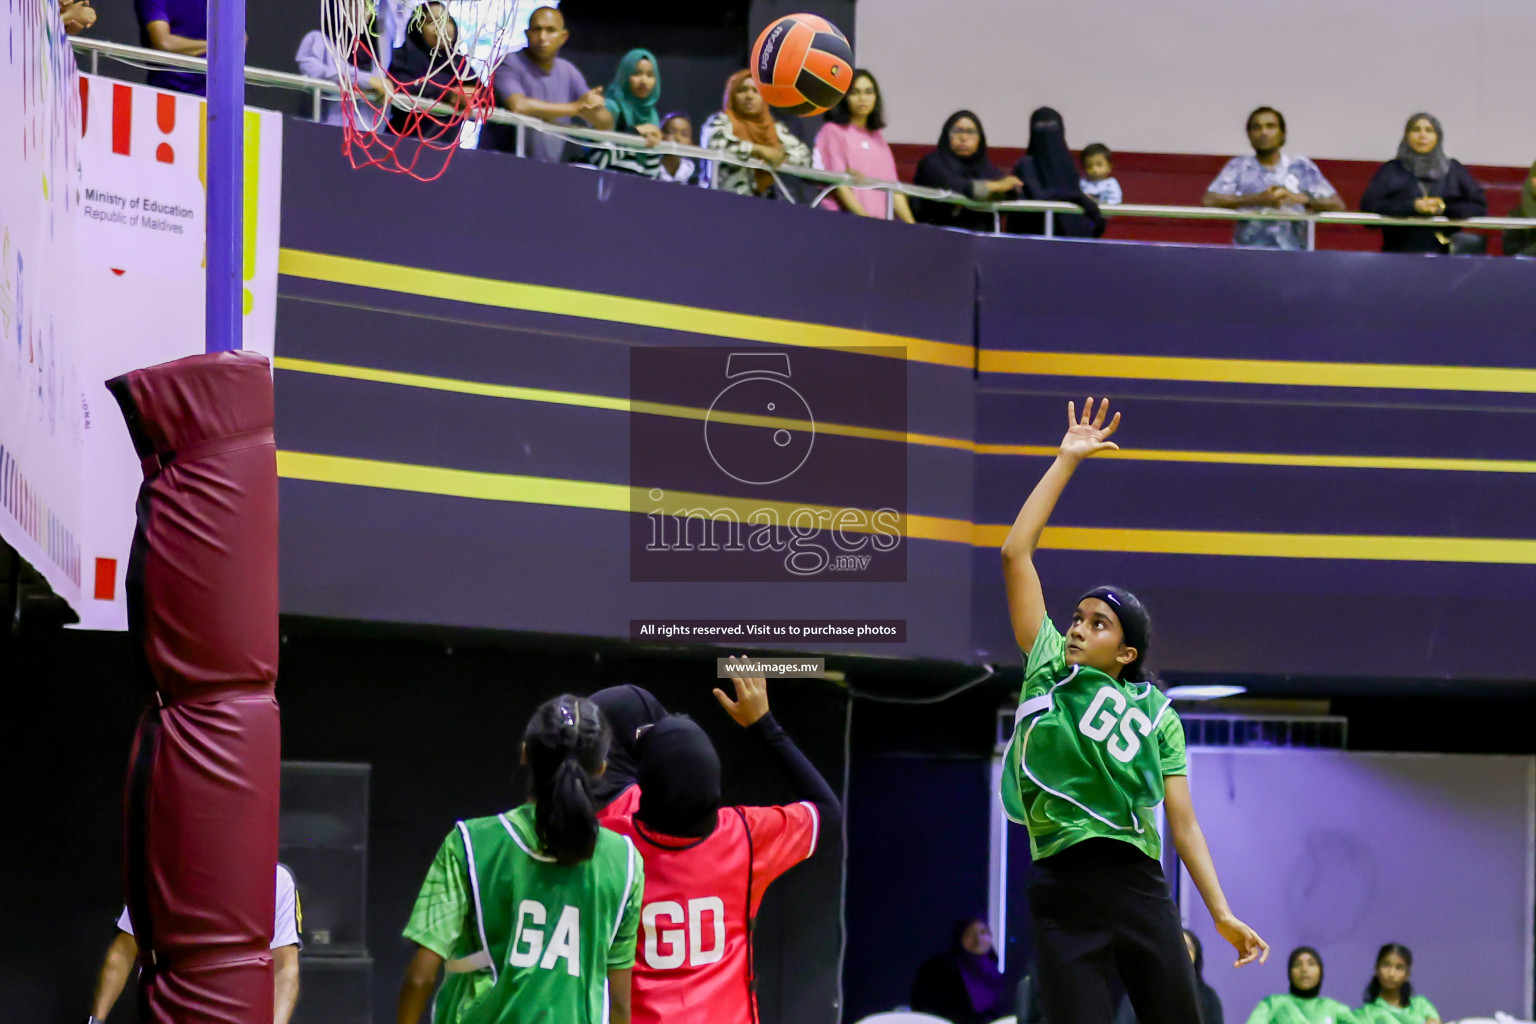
631, 97
1522, 241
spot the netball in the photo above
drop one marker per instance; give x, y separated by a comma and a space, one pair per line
802, 64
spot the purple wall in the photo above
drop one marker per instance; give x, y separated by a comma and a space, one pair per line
405, 556
1348, 851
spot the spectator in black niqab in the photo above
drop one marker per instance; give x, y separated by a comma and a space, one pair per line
1049, 173
960, 165
1421, 181
963, 985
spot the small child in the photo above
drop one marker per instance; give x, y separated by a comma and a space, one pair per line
1098, 181
676, 127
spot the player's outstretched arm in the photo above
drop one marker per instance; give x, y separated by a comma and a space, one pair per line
1196, 855
1086, 436
750, 711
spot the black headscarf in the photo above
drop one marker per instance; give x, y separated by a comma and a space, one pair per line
629, 709
1304, 993
679, 779
1194, 940
983, 982
415, 62
1427, 167
1052, 159
944, 169
1048, 172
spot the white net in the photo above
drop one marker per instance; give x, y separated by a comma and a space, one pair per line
416, 77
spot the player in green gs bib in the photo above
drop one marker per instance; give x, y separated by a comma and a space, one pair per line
533, 911
1095, 749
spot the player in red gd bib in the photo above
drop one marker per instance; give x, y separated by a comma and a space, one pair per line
707, 866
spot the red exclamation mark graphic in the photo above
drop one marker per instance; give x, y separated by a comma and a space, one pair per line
85, 103
165, 117
122, 118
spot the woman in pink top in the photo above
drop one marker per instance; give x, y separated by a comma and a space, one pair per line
850, 141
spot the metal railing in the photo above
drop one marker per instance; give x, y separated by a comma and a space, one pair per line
321, 90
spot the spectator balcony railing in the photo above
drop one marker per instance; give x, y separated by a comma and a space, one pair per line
321, 90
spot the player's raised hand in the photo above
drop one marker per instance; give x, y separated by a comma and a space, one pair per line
1244, 939
751, 701
1088, 435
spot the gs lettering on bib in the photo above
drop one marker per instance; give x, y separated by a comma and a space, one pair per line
1088, 754
1109, 710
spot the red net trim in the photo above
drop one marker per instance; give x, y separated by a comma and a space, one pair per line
416, 132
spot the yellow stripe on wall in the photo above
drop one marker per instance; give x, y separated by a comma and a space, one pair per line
1411, 462
1493, 551
463, 483
606, 402
612, 404
399, 476
485, 291
1263, 371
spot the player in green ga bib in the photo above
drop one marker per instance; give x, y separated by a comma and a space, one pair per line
534, 912
1389, 997
1304, 1003
1095, 749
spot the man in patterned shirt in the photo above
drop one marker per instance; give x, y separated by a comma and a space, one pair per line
1271, 179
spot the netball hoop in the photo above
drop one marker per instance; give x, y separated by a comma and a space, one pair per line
411, 74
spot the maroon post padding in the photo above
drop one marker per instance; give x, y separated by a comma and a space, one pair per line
201, 805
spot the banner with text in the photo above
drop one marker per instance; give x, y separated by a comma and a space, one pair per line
42, 370
140, 231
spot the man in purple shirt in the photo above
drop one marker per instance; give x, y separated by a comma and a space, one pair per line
536, 81
175, 26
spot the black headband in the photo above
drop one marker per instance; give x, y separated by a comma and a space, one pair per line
1135, 623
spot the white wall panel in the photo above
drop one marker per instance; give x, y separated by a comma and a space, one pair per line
1179, 76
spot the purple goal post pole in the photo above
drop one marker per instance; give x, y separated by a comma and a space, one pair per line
225, 167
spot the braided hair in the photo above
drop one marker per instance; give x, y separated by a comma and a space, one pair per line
566, 744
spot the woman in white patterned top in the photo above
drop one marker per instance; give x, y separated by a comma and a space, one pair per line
744, 128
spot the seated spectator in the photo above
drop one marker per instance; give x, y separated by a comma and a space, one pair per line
1271, 179
1422, 182
175, 26
960, 165
77, 15
316, 58
1304, 1003
851, 142
429, 69
676, 127
964, 984
1098, 182
743, 127
538, 82
1389, 997
631, 99
1210, 1002
1048, 172
1522, 241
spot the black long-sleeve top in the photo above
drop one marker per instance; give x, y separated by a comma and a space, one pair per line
803, 776
1393, 190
